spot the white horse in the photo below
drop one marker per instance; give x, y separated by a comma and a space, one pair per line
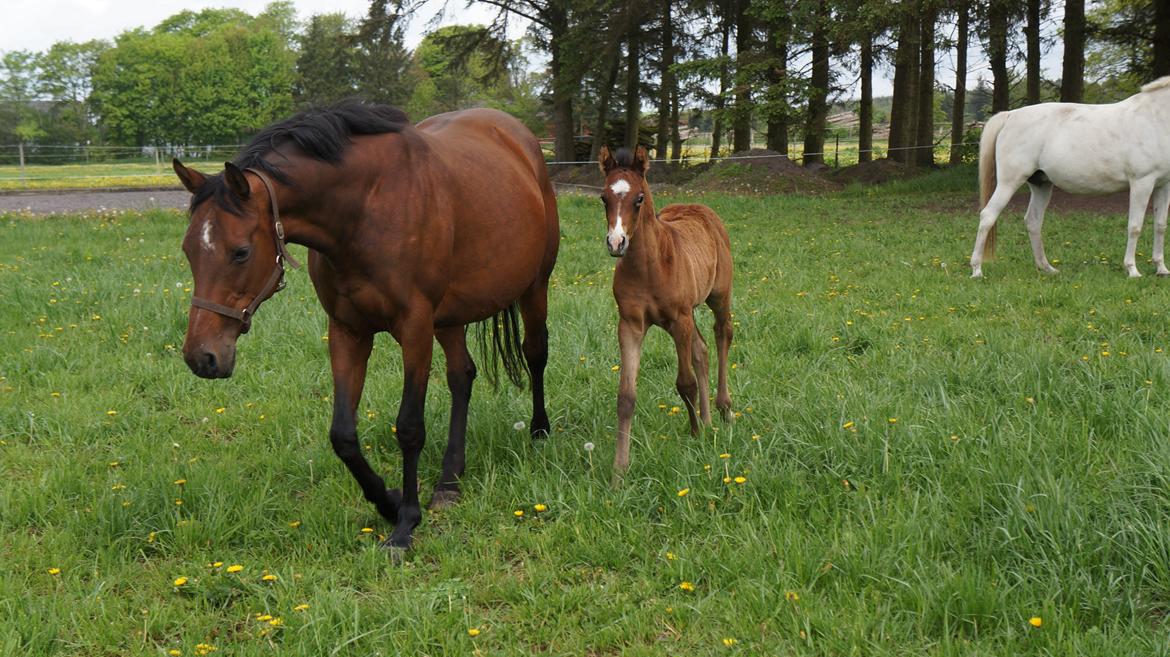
1083, 149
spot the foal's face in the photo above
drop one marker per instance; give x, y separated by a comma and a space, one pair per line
231, 256
623, 196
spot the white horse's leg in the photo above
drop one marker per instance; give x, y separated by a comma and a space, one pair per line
1034, 219
1139, 198
987, 217
1161, 203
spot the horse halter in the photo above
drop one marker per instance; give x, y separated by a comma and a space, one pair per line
275, 282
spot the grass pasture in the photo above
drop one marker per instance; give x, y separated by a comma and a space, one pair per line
928, 461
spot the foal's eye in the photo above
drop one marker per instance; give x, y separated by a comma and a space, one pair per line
241, 254
641, 197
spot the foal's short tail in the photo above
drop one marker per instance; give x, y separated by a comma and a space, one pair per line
987, 172
502, 346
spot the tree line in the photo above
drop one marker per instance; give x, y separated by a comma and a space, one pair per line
617, 72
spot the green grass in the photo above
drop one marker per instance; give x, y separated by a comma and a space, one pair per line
87, 176
1027, 472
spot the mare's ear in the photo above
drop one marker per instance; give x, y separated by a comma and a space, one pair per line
641, 160
605, 159
236, 181
191, 179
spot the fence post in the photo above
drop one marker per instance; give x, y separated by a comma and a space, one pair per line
20, 147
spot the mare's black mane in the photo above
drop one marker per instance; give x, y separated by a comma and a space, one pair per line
322, 133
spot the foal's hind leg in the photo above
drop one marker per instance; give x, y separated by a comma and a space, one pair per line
534, 312
723, 331
1139, 198
460, 376
681, 329
1161, 203
702, 370
1034, 219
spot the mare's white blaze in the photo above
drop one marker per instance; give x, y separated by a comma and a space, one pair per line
620, 187
205, 237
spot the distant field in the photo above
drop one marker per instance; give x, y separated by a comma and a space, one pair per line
931, 465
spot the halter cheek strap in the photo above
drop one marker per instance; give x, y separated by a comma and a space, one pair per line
275, 282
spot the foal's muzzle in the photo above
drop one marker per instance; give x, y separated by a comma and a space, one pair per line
619, 249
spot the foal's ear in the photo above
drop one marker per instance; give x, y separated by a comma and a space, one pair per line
641, 160
191, 179
605, 159
236, 181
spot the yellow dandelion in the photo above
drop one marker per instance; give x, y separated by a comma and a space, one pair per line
118, 486
670, 556
263, 618
755, 436
367, 530
180, 482
741, 480
615, 368
892, 420
150, 537
180, 581
848, 425
791, 596
686, 586
269, 578
178, 502
276, 622
540, 508
220, 410
204, 648
54, 571
473, 632
727, 480
235, 568
294, 524
175, 652
683, 492
1035, 621
111, 412
519, 513
301, 607
725, 455
729, 642
216, 564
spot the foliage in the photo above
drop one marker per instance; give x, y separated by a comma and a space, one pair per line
929, 462
326, 66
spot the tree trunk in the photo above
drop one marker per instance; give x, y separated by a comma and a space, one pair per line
904, 100
742, 118
997, 47
601, 128
675, 137
865, 127
724, 80
562, 106
959, 107
633, 103
1032, 35
818, 92
1072, 76
1161, 38
924, 154
778, 36
667, 84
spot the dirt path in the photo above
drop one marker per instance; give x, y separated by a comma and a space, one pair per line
68, 202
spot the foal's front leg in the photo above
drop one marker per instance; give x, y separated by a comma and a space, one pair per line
416, 335
631, 331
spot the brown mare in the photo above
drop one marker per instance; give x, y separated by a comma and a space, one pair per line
670, 263
415, 230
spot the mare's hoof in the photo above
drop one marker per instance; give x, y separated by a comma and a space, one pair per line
443, 498
397, 555
1164, 274
540, 428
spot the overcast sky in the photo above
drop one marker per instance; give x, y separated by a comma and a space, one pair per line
37, 24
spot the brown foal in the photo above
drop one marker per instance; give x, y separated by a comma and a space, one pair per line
669, 263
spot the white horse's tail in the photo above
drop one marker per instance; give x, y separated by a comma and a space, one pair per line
987, 173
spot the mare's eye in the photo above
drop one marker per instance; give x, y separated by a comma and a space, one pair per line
241, 254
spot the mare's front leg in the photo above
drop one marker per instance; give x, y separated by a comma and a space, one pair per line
416, 334
460, 376
349, 354
631, 331
1139, 198
1161, 203
682, 329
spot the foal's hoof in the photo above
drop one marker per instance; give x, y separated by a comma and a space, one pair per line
443, 498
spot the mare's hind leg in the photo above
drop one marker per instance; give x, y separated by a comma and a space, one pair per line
460, 376
1161, 203
1034, 219
534, 312
682, 329
721, 306
987, 218
702, 370
348, 357
1139, 198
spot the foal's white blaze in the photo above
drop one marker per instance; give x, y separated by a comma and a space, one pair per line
205, 237
621, 187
